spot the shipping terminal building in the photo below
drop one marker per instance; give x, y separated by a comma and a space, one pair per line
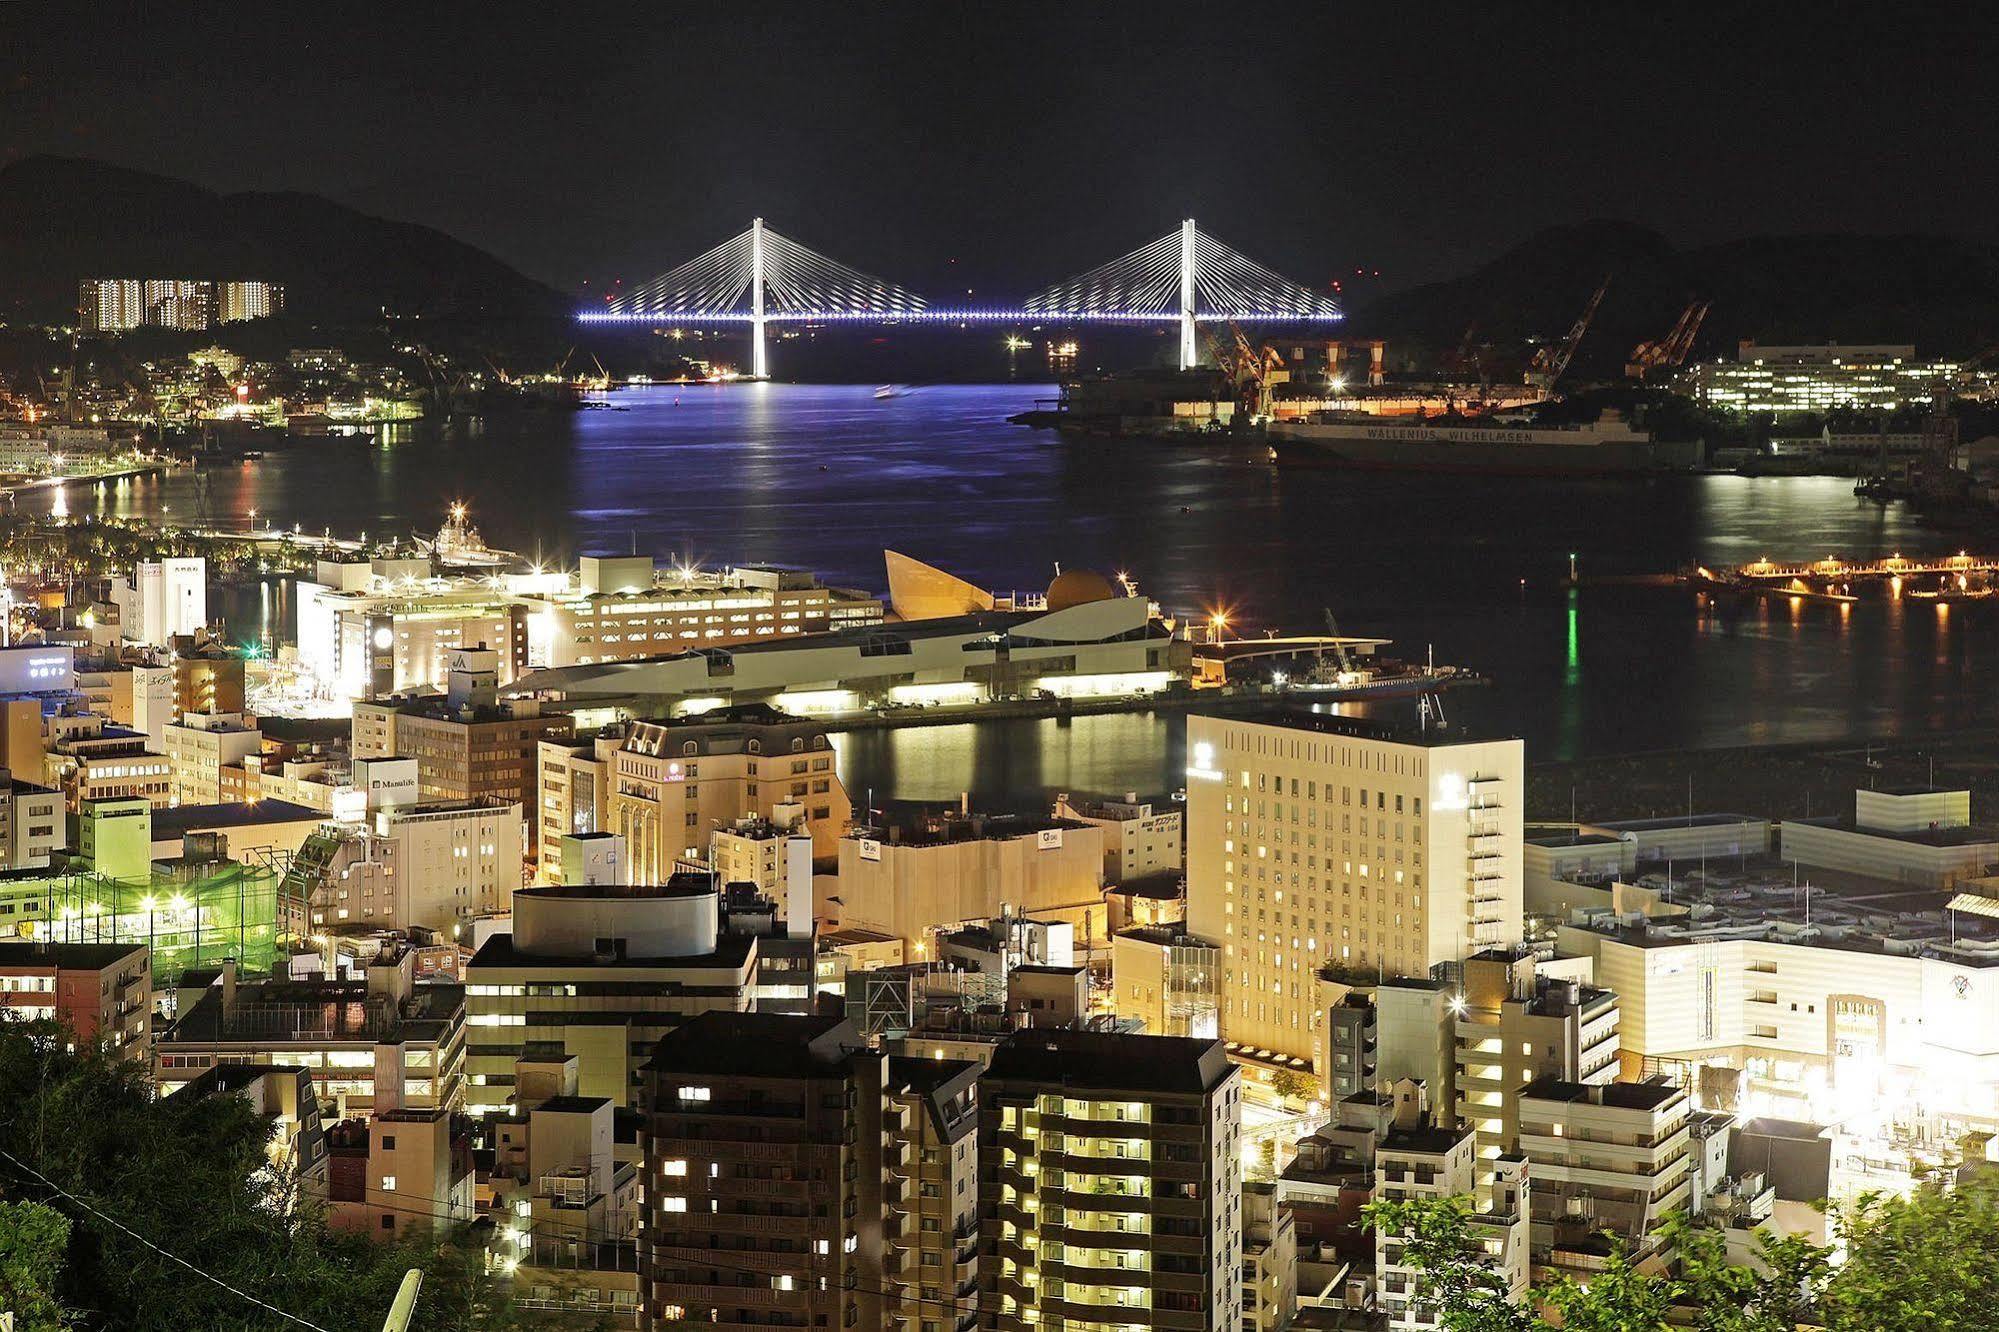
950, 643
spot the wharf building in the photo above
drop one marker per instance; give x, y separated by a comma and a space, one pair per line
1824, 377
1317, 841
371, 628
1110, 1183
385, 1042
1088, 641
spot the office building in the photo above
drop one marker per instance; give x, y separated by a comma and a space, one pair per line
31, 824
430, 866
206, 675
573, 779
917, 874
673, 783
251, 300
1316, 840
463, 752
1166, 980
99, 992
162, 599
200, 746
600, 971
765, 1148
385, 1042
1142, 838
1112, 1184
91, 760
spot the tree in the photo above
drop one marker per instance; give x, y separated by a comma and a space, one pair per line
82, 1133
1453, 1274
1773, 1294
1288, 1084
32, 1241
1927, 1261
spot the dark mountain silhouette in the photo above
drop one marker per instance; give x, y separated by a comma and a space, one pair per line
1938, 293
63, 219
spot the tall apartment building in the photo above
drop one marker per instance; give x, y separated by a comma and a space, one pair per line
765, 1176
1316, 840
1512, 1027
179, 303
110, 305
251, 300
99, 991
1110, 1180
601, 971
931, 1258
673, 783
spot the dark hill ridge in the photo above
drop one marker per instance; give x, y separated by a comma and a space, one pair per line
63, 219
1941, 294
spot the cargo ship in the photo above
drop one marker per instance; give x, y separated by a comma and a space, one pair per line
1607, 446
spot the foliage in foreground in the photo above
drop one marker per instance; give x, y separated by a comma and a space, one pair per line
1928, 1262
189, 1176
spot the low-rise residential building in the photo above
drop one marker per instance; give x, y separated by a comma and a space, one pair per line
100, 992
403, 1170
1606, 1159
31, 823
200, 746
434, 866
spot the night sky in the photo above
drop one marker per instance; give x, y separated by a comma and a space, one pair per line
1014, 143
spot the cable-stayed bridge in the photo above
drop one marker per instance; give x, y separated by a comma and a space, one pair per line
760, 277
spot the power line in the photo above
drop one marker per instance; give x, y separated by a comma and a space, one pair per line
200, 1272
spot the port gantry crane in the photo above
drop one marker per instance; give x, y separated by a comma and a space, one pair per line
1550, 361
1670, 351
1247, 367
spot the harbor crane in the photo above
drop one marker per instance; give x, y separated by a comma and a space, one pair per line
1550, 361
1670, 351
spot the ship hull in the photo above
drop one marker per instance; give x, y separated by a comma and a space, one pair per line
1478, 458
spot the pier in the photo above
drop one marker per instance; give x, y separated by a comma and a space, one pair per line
1948, 577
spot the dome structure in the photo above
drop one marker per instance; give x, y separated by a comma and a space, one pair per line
1076, 587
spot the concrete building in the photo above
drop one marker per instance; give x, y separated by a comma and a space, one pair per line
1166, 979
1113, 1194
110, 305
89, 759
1820, 378
1605, 1158
162, 599
573, 783
774, 856
1141, 837
931, 1263
1916, 836
674, 783
911, 877
250, 300
200, 746
600, 971
1379, 1033
766, 1144
284, 1094
383, 1042
1269, 1260
1316, 839
249, 831
100, 992
31, 824
463, 753
435, 866
207, 676
401, 1171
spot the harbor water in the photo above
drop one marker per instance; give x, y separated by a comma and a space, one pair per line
1474, 569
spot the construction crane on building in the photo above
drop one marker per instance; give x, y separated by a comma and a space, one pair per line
1339, 643
1550, 361
1670, 351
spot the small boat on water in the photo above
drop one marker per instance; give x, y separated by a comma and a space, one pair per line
890, 391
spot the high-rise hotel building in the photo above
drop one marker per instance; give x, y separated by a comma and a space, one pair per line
1325, 843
